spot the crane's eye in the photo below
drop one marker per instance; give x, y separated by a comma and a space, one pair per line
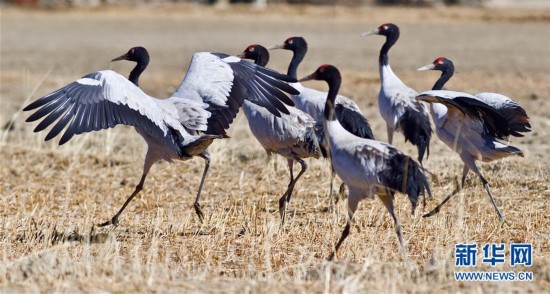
132, 51
251, 49
290, 41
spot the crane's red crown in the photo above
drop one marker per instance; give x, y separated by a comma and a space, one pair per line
385, 26
440, 60
251, 48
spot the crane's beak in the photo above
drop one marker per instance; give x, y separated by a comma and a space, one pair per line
373, 32
307, 78
280, 46
427, 67
121, 57
241, 55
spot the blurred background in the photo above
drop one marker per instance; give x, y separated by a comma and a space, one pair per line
264, 3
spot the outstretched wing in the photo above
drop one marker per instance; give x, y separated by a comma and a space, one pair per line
494, 123
223, 82
97, 101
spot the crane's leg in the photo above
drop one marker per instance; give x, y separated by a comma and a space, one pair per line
149, 161
434, 211
283, 201
389, 130
388, 202
353, 203
197, 204
332, 176
488, 189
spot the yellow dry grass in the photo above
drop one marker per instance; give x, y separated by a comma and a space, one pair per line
52, 196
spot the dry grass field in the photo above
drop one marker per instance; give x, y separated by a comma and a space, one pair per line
52, 196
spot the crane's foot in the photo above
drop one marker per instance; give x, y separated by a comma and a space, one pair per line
198, 211
329, 209
331, 256
500, 217
432, 213
113, 221
282, 208
341, 192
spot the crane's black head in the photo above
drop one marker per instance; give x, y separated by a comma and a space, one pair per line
391, 31
293, 44
387, 29
141, 57
331, 75
258, 53
446, 67
325, 72
137, 54
442, 64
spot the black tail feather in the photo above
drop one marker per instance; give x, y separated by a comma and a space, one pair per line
518, 120
405, 175
417, 129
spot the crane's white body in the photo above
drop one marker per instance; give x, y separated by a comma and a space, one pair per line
357, 162
394, 99
464, 136
285, 135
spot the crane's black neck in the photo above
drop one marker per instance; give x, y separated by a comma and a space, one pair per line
446, 74
333, 87
138, 70
297, 57
391, 39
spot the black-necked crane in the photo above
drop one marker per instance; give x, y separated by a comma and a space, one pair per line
312, 101
475, 127
140, 56
178, 128
367, 167
290, 135
396, 101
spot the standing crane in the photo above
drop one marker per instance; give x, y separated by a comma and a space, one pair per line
473, 126
312, 102
396, 100
178, 128
367, 167
290, 135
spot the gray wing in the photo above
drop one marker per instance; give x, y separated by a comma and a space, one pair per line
494, 123
395, 170
515, 114
101, 100
223, 82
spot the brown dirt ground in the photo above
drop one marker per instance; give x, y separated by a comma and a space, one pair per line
53, 195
